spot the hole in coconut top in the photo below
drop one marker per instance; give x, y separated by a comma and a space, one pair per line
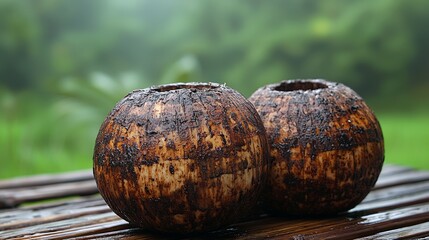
299, 85
184, 86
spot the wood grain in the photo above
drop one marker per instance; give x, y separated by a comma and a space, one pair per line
397, 208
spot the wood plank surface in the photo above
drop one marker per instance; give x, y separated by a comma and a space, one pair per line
396, 208
46, 179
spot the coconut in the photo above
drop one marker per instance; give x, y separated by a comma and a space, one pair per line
327, 146
181, 158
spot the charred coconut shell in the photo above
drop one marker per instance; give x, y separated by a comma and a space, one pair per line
181, 157
326, 146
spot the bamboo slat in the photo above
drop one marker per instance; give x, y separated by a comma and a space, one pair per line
397, 208
46, 179
13, 197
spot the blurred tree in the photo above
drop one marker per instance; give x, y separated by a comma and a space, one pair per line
19, 39
377, 47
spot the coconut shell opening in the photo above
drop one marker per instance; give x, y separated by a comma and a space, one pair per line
299, 85
172, 87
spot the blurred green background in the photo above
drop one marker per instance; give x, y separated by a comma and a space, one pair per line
64, 64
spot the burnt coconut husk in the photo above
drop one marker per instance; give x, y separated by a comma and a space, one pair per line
181, 158
327, 146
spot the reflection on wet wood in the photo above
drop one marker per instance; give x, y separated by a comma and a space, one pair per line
398, 207
46, 179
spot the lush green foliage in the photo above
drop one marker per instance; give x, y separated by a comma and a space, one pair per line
376, 47
406, 139
64, 64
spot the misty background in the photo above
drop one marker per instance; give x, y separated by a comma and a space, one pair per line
64, 64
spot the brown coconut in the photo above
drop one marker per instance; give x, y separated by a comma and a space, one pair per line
327, 146
181, 158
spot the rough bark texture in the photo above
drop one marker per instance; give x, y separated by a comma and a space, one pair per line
327, 147
181, 157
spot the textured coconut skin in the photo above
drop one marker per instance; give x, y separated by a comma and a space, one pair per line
182, 158
327, 146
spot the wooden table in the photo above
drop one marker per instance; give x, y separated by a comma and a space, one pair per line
398, 207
